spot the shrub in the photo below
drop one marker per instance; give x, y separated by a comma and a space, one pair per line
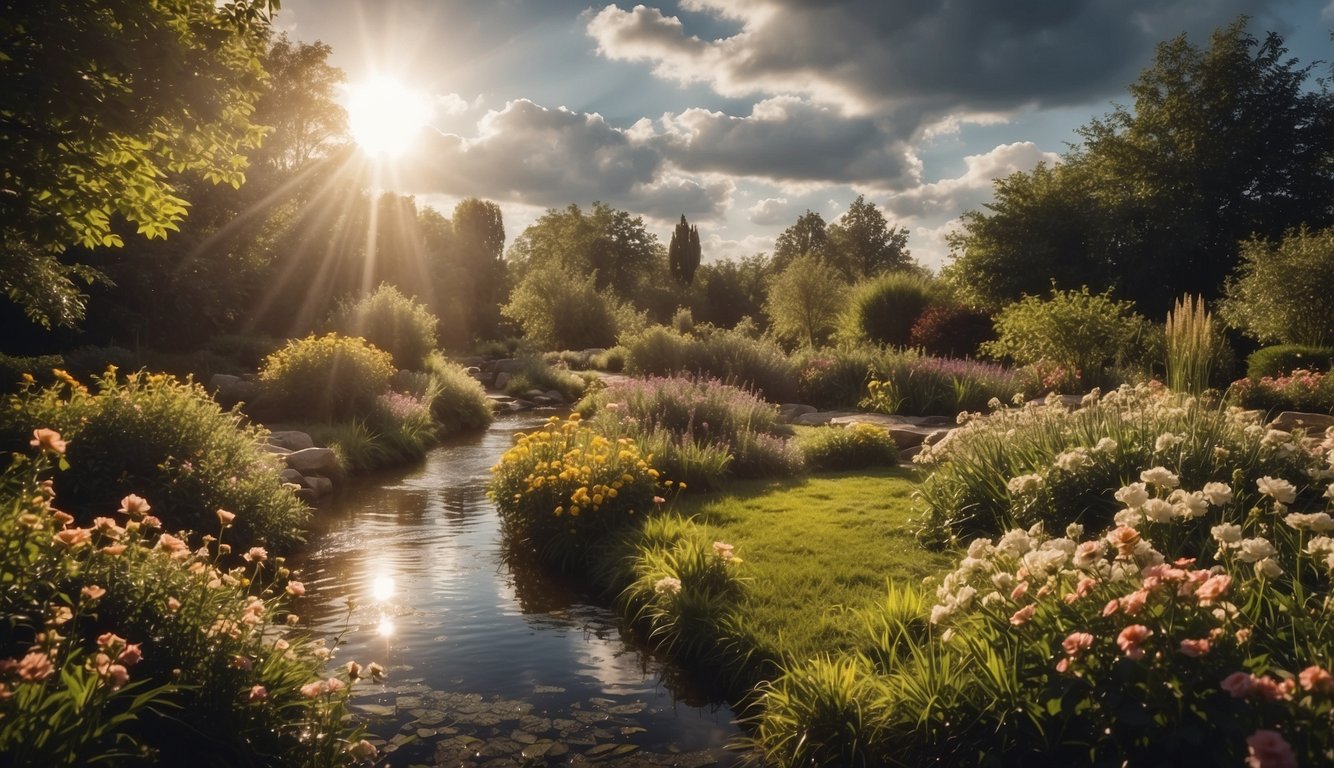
837, 378
161, 646
729, 355
559, 310
1299, 391
564, 486
40, 368
947, 330
611, 360
392, 322
458, 401
1286, 358
934, 386
326, 377
884, 309
247, 351
1280, 293
534, 373
1082, 334
858, 446
166, 440
1046, 464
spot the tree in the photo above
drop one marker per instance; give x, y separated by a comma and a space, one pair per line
806, 300
684, 252
102, 100
862, 244
479, 250
604, 242
807, 237
1281, 292
300, 105
559, 310
1221, 144
732, 290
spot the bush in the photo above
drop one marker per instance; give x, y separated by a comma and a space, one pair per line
946, 330
247, 351
932, 386
1300, 391
805, 300
1280, 293
162, 645
559, 310
858, 446
884, 309
611, 360
1286, 358
1083, 335
729, 355
1046, 464
564, 487
40, 368
328, 377
170, 442
534, 373
837, 378
458, 401
392, 322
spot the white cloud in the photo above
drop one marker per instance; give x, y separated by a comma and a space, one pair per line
973, 187
715, 247
454, 104
770, 211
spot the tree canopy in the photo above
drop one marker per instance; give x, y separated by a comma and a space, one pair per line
605, 242
103, 100
862, 244
807, 237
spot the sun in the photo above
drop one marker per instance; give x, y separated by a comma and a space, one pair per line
385, 116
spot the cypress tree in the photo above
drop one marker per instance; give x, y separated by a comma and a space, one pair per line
684, 252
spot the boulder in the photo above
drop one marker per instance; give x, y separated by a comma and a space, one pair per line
789, 412
292, 476
291, 439
313, 460
908, 454
502, 380
275, 449
1314, 423
322, 486
907, 431
554, 396
230, 390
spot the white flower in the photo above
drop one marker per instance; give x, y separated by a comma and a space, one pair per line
1158, 511
1227, 533
992, 599
1278, 489
1160, 477
667, 585
940, 612
979, 548
1130, 517
1329, 492
1166, 442
1024, 485
964, 597
1072, 460
1268, 569
1320, 545
1319, 522
1252, 550
1014, 543
1218, 494
1189, 505
1003, 580
1074, 531
1043, 562
1104, 445
1133, 495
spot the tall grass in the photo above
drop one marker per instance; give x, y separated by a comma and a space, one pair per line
915, 385
728, 355
1192, 345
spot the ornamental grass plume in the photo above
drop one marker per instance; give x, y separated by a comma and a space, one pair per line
1192, 345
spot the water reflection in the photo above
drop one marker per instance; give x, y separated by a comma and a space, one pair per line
483, 649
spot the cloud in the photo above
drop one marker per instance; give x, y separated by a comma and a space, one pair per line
973, 187
715, 247
453, 104
770, 211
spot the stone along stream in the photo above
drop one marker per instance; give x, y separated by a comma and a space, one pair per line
490, 662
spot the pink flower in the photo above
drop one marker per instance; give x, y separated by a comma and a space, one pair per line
226, 517
1195, 648
35, 666
1112, 606
1022, 615
47, 440
1316, 680
173, 546
334, 685
313, 690
1131, 640
1077, 642
117, 675
296, 588
1213, 588
134, 505
73, 538
1244, 685
109, 641
1133, 603
113, 549
92, 592
131, 655
256, 555
1124, 539
63, 518
1267, 749
258, 693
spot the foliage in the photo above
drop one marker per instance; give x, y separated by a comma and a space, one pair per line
914, 385
1300, 390
728, 355
300, 105
884, 309
950, 330
1221, 143
93, 128
727, 291
167, 440
392, 322
836, 377
1046, 464
854, 447
328, 377
805, 301
1280, 293
683, 254
862, 244
808, 237
458, 401
606, 244
143, 645
1084, 334
534, 373
565, 486
398, 428
562, 310
1285, 358
609, 360
1193, 346
477, 266
40, 367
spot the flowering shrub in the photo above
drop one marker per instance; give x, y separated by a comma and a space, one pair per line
564, 485
326, 377
120, 640
947, 330
1045, 463
392, 322
167, 440
854, 447
1300, 390
911, 384
837, 378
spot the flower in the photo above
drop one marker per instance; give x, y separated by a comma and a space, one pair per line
1268, 569
1256, 549
1131, 640
35, 666
1076, 643
1267, 749
1316, 679
1124, 538
296, 588
1022, 615
1159, 511
1315, 521
178, 549
667, 585
313, 690
258, 693
134, 505
1278, 489
375, 670
353, 670
47, 440
1133, 495
1218, 494
226, 517
93, 592
1194, 648
256, 555
1213, 588
1024, 484
1227, 533
1160, 476
73, 538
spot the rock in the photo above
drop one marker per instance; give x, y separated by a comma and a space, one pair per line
305, 494
906, 430
532, 394
291, 439
230, 390
1314, 423
292, 476
322, 486
788, 412
554, 396
502, 380
472, 361
275, 449
313, 460
906, 455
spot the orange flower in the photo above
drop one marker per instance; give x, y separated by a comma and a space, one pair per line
134, 505
47, 440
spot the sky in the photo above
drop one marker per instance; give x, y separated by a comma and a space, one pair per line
744, 114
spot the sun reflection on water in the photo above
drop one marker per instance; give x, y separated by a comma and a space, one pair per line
382, 588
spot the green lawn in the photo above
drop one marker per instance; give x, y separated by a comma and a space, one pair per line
816, 549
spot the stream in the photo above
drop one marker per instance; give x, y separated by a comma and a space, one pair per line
489, 662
